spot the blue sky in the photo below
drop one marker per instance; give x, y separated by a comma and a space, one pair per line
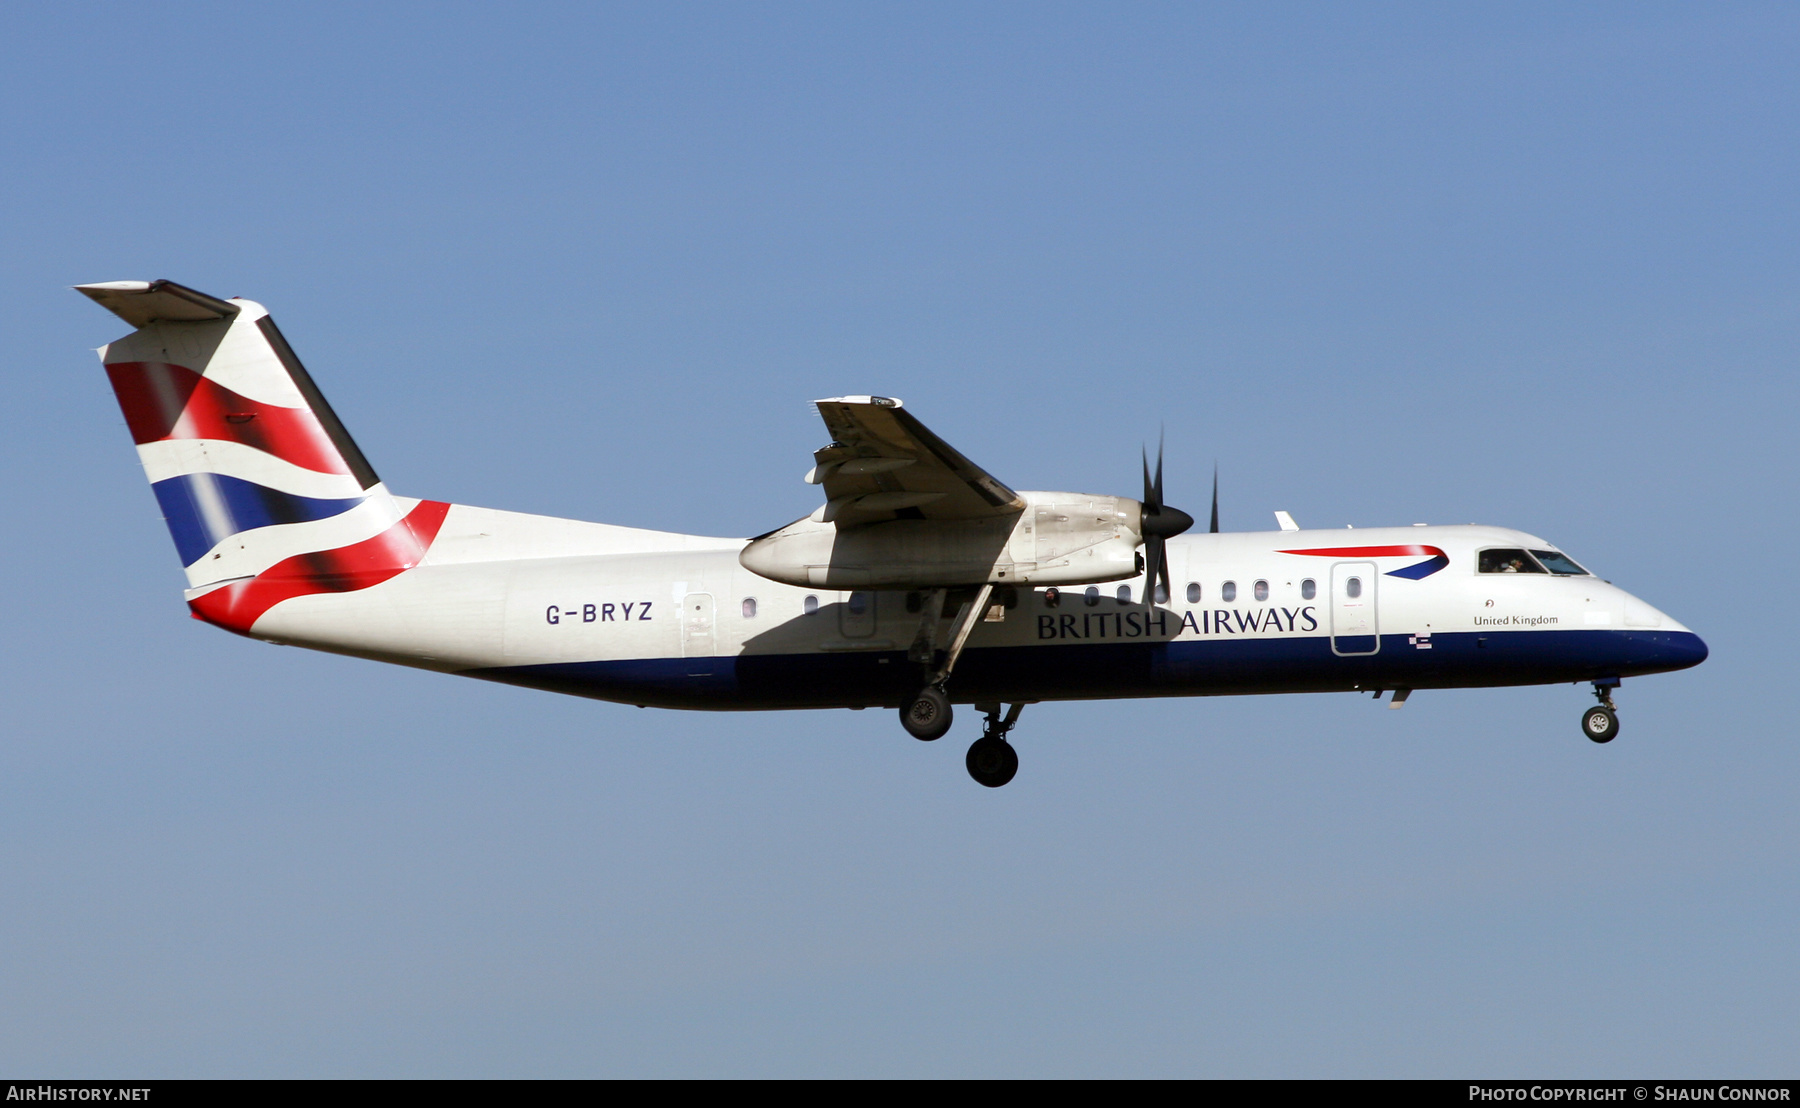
1523, 265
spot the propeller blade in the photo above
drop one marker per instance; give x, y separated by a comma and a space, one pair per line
1159, 456
1155, 560
1215, 512
1168, 587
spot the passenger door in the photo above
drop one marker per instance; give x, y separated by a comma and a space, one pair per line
1354, 626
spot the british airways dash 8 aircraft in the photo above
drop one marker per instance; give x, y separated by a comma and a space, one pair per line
921, 580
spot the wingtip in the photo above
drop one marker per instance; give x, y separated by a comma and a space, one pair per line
877, 401
113, 286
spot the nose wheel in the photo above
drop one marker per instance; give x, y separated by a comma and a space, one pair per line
1601, 722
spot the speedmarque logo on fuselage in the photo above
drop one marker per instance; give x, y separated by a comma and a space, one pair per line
1435, 559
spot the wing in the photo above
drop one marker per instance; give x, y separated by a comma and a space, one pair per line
883, 464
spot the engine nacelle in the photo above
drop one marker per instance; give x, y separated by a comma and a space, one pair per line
1058, 539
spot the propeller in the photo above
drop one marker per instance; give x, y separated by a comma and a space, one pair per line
1161, 523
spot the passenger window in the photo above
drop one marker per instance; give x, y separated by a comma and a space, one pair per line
1308, 589
1559, 563
1052, 597
1161, 593
1124, 594
810, 605
1193, 592
1228, 591
1262, 590
1353, 587
749, 607
859, 603
914, 602
1091, 596
1507, 560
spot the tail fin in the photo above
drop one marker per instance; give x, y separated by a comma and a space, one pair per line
265, 494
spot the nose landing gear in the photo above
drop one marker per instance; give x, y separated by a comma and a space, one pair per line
1601, 722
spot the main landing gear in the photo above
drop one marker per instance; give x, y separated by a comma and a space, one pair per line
927, 714
1601, 722
992, 761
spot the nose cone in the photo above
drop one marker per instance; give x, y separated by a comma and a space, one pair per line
1682, 649
1653, 642
1644, 651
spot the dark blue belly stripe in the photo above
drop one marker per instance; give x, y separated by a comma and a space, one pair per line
1213, 667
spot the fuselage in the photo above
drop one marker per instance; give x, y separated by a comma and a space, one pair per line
286, 534
676, 621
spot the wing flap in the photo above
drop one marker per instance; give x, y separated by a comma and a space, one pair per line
883, 463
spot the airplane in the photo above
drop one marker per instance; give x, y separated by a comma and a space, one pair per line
921, 582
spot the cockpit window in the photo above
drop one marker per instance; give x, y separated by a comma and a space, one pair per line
1508, 561
1559, 563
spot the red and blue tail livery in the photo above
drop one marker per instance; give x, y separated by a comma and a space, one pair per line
265, 494
918, 580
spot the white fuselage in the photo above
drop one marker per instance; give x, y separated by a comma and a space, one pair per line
676, 620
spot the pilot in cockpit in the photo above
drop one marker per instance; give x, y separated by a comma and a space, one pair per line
1504, 561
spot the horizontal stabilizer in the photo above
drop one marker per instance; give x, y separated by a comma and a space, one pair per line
143, 302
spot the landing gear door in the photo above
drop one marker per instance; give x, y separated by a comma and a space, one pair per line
1354, 628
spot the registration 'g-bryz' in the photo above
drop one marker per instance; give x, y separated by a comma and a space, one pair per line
920, 581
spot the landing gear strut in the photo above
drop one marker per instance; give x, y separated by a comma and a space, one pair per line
927, 715
1601, 722
992, 761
